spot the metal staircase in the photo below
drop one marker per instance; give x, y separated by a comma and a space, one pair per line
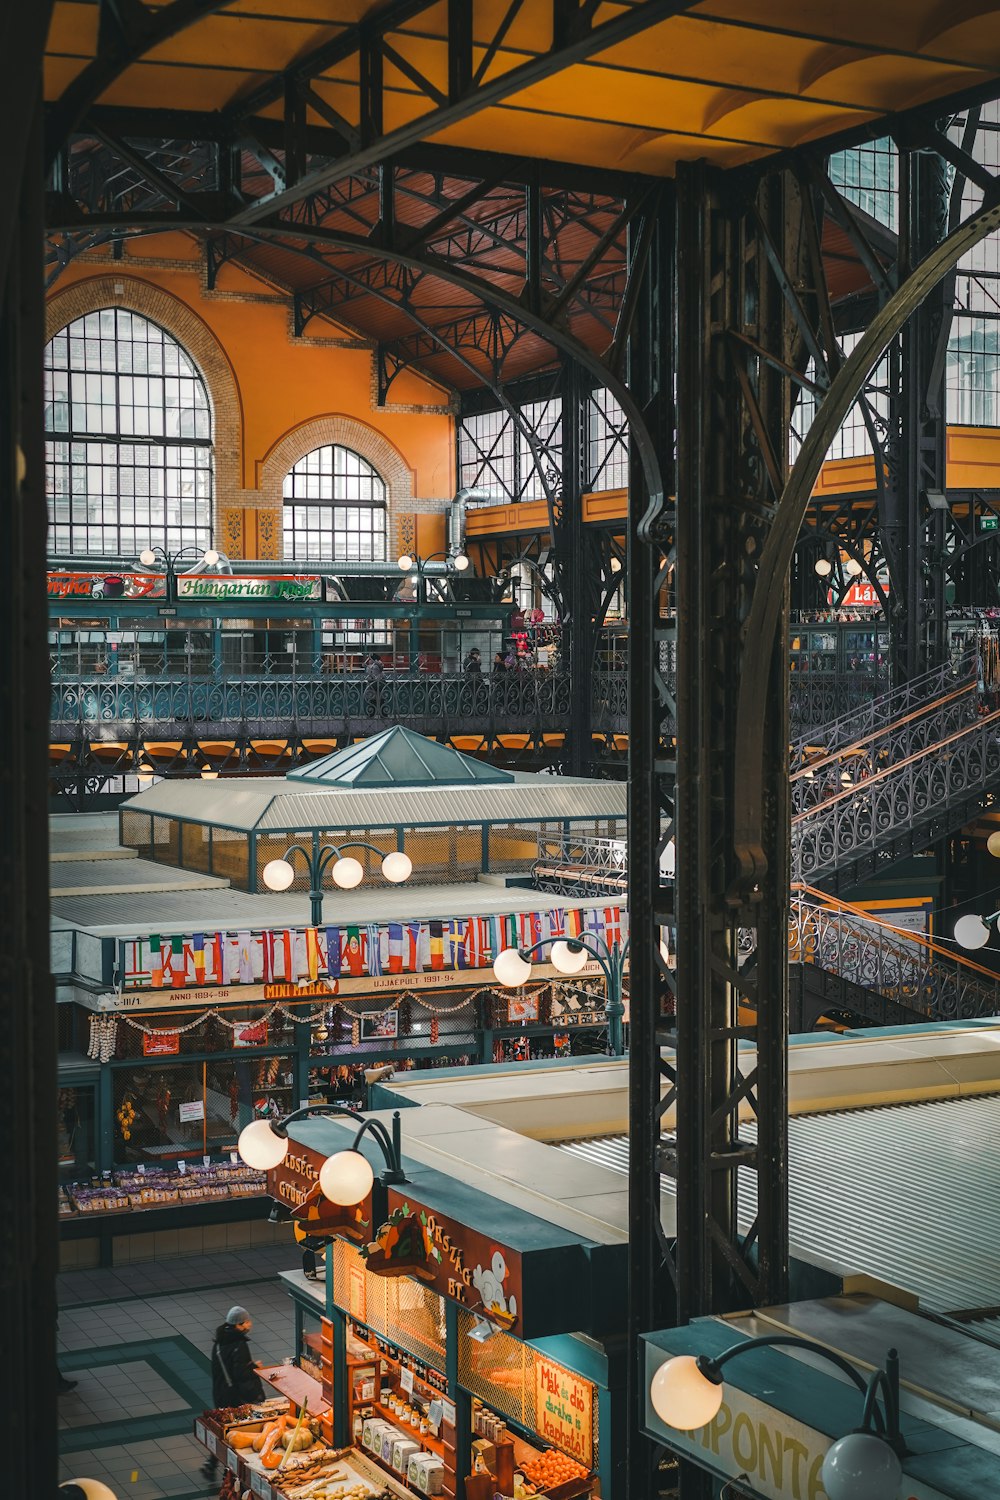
894, 790
843, 958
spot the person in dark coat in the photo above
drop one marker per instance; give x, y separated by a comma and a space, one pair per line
234, 1374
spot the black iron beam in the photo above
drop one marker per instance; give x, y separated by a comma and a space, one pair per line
368, 41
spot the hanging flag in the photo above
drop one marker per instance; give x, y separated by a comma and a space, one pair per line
287, 956
574, 924
155, 961
245, 958
198, 949
529, 928
395, 948
177, 975
413, 951
496, 937
300, 957
312, 954
557, 922
612, 925
456, 945
333, 952
267, 956
437, 944
354, 957
477, 943
374, 946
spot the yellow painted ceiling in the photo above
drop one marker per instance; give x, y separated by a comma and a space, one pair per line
730, 80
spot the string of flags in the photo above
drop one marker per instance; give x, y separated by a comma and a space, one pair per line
200, 959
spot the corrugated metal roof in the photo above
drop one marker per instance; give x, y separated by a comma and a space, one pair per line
138, 915
399, 757
97, 876
909, 1194
275, 804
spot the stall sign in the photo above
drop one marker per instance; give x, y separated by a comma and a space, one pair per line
106, 586
522, 1008
229, 586
480, 1273
780, 1456
357, 1291
564, 1410
161, 1043
253, 1034
191, 1110
570, 1018
296, 1184
379, 1025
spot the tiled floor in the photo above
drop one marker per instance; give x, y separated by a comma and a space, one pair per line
137, 1341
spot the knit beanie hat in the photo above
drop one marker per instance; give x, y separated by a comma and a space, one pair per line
237, 1315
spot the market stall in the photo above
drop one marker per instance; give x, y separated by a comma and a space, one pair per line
459, 1346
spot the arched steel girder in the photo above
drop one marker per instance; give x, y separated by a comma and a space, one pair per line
437, 337
779, 547
127, 30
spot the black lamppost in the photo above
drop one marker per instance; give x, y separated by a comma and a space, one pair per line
346, 1177
150, 556
512, 968
686, 1393
347, 872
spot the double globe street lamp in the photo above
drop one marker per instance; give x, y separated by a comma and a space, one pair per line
512, 968
686, 1393
346, 1177
345, 871
151, 557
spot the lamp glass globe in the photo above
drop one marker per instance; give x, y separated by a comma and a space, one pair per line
569, 957
682, 1396
94, 1489
260, 1147
824, 567
511, 969
993, 844
277, 874
347, 872
861, 1466
852, 567
346, 1178
616, 565
211, 558
404, 562
971, 932
147, 557
397, 867
460, 561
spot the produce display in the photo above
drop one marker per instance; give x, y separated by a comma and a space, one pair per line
552, 1468
157, 1186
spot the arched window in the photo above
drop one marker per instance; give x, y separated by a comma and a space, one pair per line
129, 439
334, 508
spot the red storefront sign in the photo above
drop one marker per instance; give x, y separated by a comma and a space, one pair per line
161, 1044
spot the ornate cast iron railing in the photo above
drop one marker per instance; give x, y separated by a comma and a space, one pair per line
857, 712
919, 730
581, 866
950, 778
908, 969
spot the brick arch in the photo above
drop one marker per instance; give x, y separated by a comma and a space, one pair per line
197, 340
348, 432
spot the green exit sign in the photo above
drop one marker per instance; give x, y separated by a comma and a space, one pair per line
989, 523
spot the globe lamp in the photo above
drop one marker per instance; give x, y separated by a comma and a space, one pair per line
211, 558
347, 872
260, 1147
569, 957
683, 1396
278, 874
824, 567
971, 932
405, 562
460, 562
511, 969
861, 1466
346, 1178
397, 867
993, 844
147, 557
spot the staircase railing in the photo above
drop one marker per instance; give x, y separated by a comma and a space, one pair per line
903, 966
880, 711
952, 776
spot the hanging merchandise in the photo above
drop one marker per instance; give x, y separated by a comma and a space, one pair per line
125, 1115
103, 1038
355, 1033
435, 1029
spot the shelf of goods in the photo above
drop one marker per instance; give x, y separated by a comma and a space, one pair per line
158, 1187
296, 1472
411, 1433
